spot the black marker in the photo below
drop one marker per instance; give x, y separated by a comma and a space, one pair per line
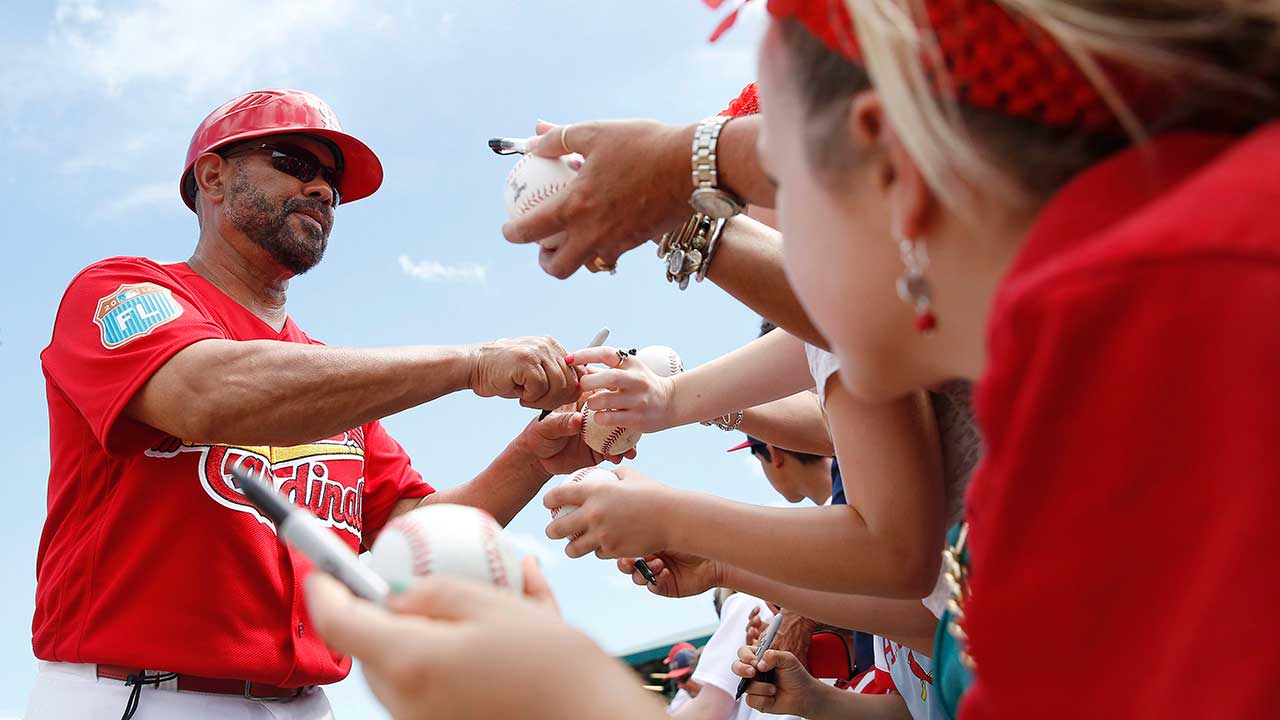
509, 146
643, 567
765, 642
305, 532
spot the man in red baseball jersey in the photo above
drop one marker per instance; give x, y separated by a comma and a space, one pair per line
154, 571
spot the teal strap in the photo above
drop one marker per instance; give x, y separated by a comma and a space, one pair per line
951, 679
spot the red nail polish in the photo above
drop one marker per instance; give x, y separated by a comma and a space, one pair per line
568, 359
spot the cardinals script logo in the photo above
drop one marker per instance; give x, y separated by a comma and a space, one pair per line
327, 476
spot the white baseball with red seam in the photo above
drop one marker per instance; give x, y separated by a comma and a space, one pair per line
533, 181
585, 474
444, 539
615, 439
662, 360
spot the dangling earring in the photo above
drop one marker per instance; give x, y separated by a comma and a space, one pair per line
912, 286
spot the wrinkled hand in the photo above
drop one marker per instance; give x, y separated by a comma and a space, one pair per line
436, 652
613, 519
556, 443
793, 636
678, 574
792, 690
530, 368
630, 395
634, 185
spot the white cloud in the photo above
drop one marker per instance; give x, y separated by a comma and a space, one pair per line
548, 554
203, 45
78, 10
431, 270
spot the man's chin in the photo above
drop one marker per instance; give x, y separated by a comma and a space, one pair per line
298, 260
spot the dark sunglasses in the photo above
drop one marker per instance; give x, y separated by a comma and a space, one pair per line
296, 162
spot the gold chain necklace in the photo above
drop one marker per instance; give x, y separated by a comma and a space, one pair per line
956, 574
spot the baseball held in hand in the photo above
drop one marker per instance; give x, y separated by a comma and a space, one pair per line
445, 539
583, 475
615, 439
533, 181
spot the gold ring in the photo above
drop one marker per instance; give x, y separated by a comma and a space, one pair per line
601, 265
564, 139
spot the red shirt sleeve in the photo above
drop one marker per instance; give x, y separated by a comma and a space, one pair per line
119, 321
389, 478
1125, 513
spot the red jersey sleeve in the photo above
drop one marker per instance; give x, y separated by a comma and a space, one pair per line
119, 321
1127, 503
389, 478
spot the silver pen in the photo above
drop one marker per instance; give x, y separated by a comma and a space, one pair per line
765, 641
305, 532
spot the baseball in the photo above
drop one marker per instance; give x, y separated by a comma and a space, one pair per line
446, 539
615, 439
533, 181
591, 473
662, 360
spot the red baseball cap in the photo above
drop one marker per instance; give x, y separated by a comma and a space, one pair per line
671, 654
749, 442
680, 661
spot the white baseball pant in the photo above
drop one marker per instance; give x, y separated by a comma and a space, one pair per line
69, 691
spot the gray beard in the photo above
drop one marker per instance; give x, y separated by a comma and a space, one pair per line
252, 213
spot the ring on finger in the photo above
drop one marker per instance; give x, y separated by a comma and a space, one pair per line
564, 138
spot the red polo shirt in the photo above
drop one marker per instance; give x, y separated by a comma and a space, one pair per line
150, 556
1124, 523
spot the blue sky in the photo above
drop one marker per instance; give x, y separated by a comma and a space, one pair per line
101, 98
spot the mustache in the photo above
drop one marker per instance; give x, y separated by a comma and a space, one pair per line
323, 209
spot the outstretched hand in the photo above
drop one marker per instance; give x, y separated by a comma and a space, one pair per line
678, 574
613, 519
557, 444
626, 393
633, 186
792, 690
435, 649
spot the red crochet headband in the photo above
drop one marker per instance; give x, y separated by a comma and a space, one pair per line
747, 103
994, 61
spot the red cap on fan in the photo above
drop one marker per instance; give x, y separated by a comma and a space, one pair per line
275, 112
993, 60
671, 654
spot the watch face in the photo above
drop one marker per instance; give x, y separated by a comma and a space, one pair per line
713, 203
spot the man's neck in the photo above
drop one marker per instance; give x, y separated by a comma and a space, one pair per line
818, 483
246, 273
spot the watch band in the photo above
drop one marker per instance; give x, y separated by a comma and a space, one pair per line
703, 157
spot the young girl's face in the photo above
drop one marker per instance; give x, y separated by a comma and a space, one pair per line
838, 250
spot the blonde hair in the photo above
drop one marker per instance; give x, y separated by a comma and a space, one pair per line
1159, 38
